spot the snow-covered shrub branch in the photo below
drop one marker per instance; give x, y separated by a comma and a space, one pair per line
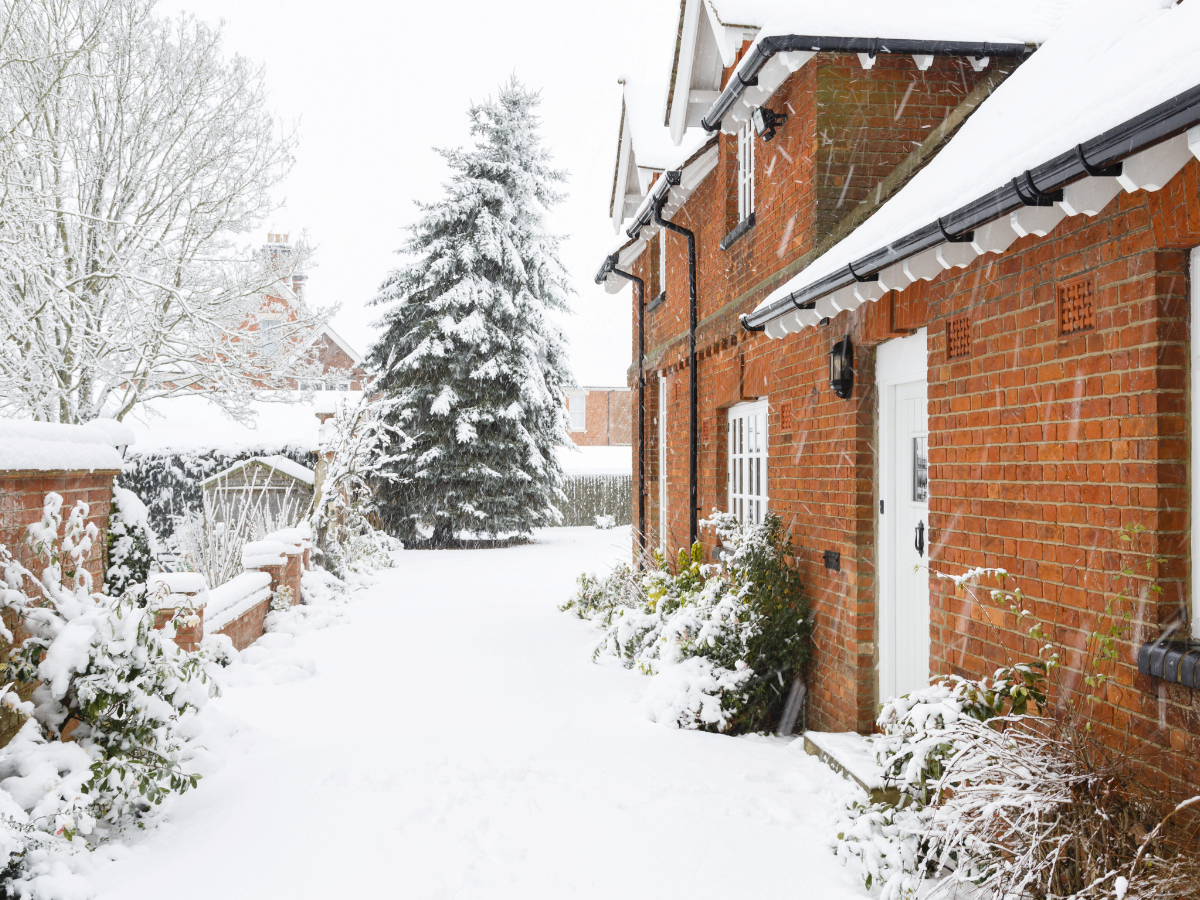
723, 641
98, 675
1007, 787
132, 543
359, 446
133, 157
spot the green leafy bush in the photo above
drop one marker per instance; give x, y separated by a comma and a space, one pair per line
723, 641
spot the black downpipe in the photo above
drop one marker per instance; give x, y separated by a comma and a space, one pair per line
692, 399
611, 266
1105, 151
747, 73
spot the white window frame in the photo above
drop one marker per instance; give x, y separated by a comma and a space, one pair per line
272, 338
748, 479
577, 409
745, 170
1194, 435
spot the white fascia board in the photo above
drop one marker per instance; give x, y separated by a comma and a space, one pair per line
624, 161
682, 84
627, 255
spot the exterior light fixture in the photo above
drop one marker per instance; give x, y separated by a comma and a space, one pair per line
765, 121
841, 368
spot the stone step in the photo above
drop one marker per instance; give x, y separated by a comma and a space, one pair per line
850, 754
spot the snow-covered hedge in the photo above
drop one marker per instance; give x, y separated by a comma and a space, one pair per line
169, 482
723, 642
132, 544
592, 496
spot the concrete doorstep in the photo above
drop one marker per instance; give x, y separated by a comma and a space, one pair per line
851, 755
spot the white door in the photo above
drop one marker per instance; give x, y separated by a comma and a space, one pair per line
903, 515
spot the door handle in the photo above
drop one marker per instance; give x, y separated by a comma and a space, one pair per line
920, 538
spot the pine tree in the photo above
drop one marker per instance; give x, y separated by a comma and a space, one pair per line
470, 355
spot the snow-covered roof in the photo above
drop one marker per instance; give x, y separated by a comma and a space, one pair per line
183, 424
280, 464
1074, 88
49, 447
644, 147
712, 33
676, 185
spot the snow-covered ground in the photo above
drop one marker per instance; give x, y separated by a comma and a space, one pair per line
449, 737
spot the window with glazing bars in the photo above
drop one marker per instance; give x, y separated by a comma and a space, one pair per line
748, 461
745, 172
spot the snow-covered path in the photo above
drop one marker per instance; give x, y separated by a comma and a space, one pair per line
456, 741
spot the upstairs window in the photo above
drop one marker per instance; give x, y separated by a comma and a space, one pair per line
577, 407
748, 461
745, 170
272, 329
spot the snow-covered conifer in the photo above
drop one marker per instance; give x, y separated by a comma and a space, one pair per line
470, 354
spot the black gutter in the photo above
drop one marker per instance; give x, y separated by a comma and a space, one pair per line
673, 178
747, 73
658, 195
610, 267
1102, 153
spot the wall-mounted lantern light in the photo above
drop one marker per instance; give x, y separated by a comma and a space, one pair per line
765, 121
841, 368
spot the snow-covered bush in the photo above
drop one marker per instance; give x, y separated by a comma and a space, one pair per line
1006, 789
102, 677
132, 544
722, 641
358, 443
606, 522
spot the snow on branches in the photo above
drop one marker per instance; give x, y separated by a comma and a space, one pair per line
471, 356
132, 156
723, 642
91, 668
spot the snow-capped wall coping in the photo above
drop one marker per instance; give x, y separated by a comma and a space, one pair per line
49, 447
280, 464
300, 537
171, 590
234, 598
257, 554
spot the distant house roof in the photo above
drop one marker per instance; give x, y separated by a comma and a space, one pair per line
341, 342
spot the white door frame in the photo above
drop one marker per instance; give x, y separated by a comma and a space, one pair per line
897, 362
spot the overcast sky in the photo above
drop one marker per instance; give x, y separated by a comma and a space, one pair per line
377, 85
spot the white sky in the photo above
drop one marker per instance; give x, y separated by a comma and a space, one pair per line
376, 85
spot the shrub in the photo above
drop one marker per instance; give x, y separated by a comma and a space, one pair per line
132, 545
1006, 790
723, 641
101, 674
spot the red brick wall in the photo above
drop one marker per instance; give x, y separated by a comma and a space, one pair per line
607, 419
248, 627
1040, 446
21, 498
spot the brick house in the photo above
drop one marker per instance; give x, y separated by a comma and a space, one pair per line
599, 416
340, 364
992, 233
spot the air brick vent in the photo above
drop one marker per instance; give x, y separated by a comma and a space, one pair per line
1076, 305
958, 337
